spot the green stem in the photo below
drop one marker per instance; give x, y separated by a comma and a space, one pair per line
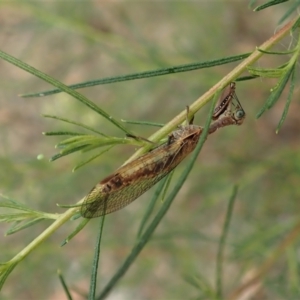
219, 273
63, 218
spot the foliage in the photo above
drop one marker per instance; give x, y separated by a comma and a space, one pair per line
277, 241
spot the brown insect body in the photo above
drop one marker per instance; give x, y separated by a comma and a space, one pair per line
135, 178
132, 180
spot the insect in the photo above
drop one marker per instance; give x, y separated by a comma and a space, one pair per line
133, 179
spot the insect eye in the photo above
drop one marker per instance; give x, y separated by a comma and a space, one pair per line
240, 114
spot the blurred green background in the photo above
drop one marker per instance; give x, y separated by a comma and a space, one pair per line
76, 41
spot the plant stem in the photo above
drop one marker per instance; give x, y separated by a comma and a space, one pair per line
63, 218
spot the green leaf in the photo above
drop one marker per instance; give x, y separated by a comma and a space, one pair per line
13, 217
276, 92
267, 73
297, 23
74, 123
80, 140
277, 52
201, 283
289, 100
29, 212
145, 123
146, 74
10, 203
219, 266
77, 229
151, 205
5, 270
68, 205
23, 225
59, 155
245, 78
93, 283
166, 187
84, 162
50, 133
268, 4
64, 285
92, 147
87, 143
62, 87
92, 142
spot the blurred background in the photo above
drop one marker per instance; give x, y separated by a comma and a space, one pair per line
85, 40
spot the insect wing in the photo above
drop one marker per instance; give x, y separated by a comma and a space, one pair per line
224, 101
132, 180
98, 202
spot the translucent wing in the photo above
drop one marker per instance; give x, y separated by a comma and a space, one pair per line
135, 178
